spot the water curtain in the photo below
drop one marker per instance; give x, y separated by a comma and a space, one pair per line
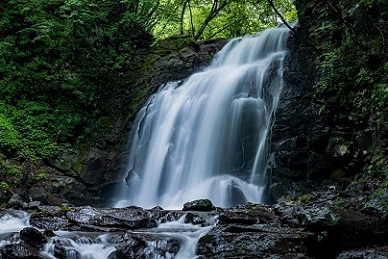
207, 137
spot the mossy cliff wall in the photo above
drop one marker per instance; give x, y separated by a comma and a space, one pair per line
330, 127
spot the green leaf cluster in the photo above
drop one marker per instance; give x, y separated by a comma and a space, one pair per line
350, 40
58, 62
221, 18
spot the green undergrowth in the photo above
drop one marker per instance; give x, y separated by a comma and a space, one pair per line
352, 50
350, 40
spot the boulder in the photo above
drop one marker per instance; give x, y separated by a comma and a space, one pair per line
16, 201
33, 237
199, 205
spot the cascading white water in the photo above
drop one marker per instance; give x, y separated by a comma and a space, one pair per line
74, 246
10, 224
186, 234
207, 137
14, 221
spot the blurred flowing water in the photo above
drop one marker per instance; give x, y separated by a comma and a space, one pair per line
207, 137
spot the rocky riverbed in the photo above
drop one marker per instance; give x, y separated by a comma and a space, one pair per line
322, 225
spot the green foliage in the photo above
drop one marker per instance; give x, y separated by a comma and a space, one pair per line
350, 39
304, 198
340, 203
378, 164
321, 236
41, 176
7, 168
10, 173
235, 18
4, 186
350, 42
370, 3
65, 208
9, 137
58, 59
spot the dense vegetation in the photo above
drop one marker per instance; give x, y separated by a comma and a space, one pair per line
350, 39
61, 60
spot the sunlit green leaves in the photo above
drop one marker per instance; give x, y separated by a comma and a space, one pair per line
56, 57
235, 19
9, 137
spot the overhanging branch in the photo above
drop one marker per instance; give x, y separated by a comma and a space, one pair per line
270, 2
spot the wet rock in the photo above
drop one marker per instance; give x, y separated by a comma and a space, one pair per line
49, 222
287, 230
33, 205
163, 248
169, 216
250, 214
251, 245
366, 254
71, 189
33, 237
91, 167
49, 233
378, 204
199, 205
317, 215
128, 246
4, 196
299, 134
358, 229
196, 219
127, 218
17, 251
16, 201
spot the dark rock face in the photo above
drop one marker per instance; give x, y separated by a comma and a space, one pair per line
318, 137
299, 135
312, 146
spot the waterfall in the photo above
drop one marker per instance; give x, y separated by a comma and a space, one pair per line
207, 137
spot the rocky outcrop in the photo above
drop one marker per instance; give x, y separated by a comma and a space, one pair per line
199, 205
327, 226
299, 135
315, 141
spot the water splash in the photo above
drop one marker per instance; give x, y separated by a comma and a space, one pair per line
73, 246
176, 239
11, 222
14, 221
208, 136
